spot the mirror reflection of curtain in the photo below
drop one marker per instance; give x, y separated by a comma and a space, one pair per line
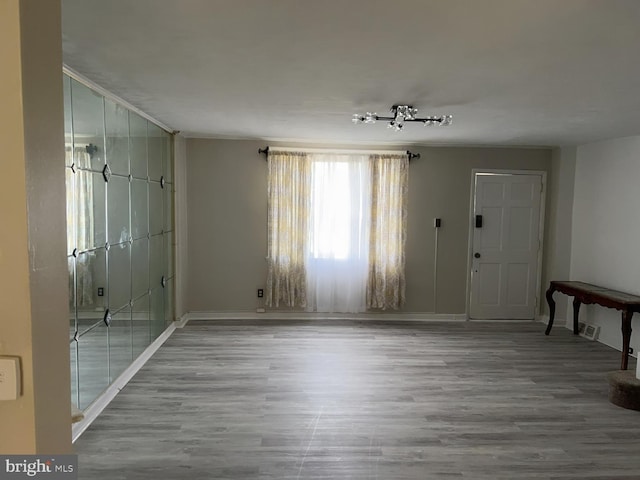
80, 222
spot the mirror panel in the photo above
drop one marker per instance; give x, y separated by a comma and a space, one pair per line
168, 249
169, 302
138, 145
119, 276
140, 325
73, 355
157, 312
168, 207
139, 208
156, 201
167, 156
73, 321
68, 124
140, 267
156, 263
93, 364
154, 145
118, 203
87, 109
89, 201
117, 137
120, 343
91, 288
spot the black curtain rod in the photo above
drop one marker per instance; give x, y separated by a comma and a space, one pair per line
410, 154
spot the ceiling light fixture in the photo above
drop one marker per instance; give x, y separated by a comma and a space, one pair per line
400, 115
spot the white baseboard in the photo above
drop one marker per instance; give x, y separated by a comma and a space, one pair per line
250, 315
182, 322
99, 404
557, 322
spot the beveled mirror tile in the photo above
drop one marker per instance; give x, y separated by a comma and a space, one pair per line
156, 201
120, 343
89, 201
139, 208
154, 145
169, 302
118, 201
73, 355
73, 321
156, 261
119, 276
68, 124
167, 156
117, 137
169, 252
88, 126
157, 312
91, 287
93, 364
140, 267
140, 325
168, 207
138, 145
72, 220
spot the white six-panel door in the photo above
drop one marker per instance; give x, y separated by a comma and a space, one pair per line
504, 264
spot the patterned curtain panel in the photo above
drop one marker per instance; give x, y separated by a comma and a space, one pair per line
81, 222
386, 280
289, 194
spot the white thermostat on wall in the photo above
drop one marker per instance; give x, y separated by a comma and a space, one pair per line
10, 385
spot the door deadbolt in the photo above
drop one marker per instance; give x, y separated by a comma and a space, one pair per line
477, 255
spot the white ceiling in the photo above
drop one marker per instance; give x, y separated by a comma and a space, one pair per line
511, 72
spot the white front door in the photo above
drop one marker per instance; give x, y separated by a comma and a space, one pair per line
505, 246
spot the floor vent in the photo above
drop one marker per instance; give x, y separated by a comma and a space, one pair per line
589, 331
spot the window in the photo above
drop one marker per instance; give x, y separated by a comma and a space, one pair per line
336, 230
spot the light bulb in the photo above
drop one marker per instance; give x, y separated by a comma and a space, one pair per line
446, 120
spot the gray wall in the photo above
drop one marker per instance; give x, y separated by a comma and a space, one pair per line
557, 238
605, 228
227, 192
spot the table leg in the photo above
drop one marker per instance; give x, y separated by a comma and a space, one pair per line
626, 338
576, 312
552, 309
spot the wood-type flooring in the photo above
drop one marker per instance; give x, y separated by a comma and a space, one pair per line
367, 400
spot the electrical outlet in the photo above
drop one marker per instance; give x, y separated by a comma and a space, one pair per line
100, 291
260, 293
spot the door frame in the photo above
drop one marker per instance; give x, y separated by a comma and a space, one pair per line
543, 179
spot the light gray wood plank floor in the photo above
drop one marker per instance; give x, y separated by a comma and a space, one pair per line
367, 400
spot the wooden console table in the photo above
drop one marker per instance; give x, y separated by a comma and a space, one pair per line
587, 293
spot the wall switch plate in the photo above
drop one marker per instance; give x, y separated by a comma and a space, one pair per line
10, 378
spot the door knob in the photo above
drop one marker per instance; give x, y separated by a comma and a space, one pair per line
477, 255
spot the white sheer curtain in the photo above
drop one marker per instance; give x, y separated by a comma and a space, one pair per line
337, 255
